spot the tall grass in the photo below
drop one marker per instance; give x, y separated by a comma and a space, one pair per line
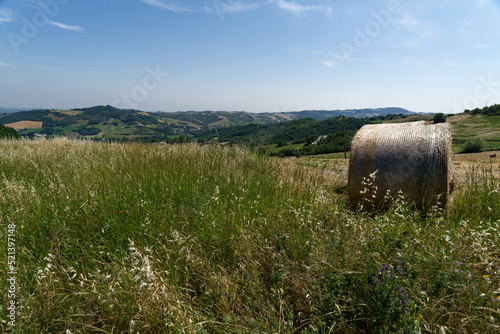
152, 239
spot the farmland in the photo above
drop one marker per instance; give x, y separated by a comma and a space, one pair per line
110, 123
141, 238
466, 127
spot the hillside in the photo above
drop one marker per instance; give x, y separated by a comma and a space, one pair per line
262, 129
107, 122
467, 126
298, 131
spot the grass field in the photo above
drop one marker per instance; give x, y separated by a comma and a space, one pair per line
275, 148
470, 126
136, 238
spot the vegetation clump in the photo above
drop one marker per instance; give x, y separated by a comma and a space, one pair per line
488, 111
439, 118
474, 146
6, 132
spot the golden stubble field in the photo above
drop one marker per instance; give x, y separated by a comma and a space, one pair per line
335, 168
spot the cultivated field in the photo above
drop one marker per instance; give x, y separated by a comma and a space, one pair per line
21, 125
336, 167
136, 238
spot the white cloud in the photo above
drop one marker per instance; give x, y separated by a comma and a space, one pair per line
6, 15
408, 21
296, 9
481, 3
411, 61
465, 26
4, 64
168, 6
65, 26
229, 6
421, 31
483, 46
49, 68
328, 63
448, 62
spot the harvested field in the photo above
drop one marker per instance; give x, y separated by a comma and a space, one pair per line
463, 164
335, 167
21, 125
69, 112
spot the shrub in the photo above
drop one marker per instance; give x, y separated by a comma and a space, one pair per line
7, 132
439, 118
473, 146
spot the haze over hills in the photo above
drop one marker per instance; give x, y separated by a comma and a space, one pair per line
11, 110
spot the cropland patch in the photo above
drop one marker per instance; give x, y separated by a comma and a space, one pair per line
69, 112
21, 125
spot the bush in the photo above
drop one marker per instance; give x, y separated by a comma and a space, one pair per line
474, 146
88, 131
439, 118
282, 143
6, 132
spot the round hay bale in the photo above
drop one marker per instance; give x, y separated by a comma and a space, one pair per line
413, 158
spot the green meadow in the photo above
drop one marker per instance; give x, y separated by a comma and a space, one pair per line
140, 238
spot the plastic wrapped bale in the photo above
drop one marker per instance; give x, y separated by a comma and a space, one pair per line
412, 158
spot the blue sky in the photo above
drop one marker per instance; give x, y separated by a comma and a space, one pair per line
252, 55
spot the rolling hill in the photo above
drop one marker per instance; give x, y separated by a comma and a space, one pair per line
107, 122
254, 129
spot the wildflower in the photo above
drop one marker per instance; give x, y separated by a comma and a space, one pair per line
385, 268
485, 276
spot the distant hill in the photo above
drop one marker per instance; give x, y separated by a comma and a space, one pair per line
107, 122
320, 115
10, 110
300, 131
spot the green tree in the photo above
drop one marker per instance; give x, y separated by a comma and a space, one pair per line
181, 140
48, 131
6, 132
439, 118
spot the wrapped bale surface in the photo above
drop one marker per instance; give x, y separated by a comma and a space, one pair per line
413, 158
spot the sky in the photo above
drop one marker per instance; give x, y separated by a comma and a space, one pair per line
250, 55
